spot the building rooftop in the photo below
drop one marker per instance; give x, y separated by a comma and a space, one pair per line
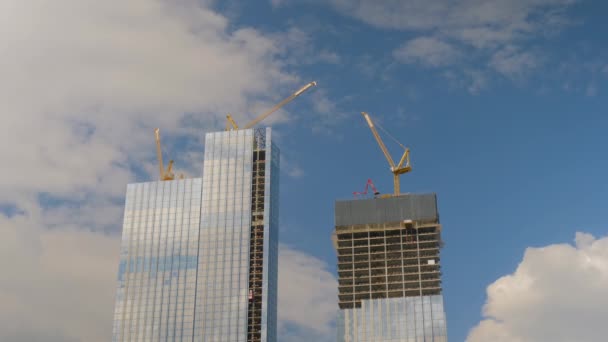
414, 207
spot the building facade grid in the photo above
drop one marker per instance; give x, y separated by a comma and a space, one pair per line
389, 270
157, 270
406, 319
184, 271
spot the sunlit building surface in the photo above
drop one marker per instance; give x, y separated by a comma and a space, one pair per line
389, 270
199, 256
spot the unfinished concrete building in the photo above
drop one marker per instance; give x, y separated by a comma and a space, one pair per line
389, 269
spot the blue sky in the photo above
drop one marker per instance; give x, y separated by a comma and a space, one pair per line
503, 105
519, 162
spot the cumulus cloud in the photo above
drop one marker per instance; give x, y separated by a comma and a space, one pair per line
428, 51
327, 113
476, 31
557, 294
59, 285
83, 85
299, 48
477, 22
395, 14
513, 62
473, 80
308, 294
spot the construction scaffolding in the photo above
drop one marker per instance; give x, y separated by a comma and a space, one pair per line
256, 248
388, 259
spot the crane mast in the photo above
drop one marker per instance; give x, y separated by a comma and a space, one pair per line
230, 125
396, 170
167, 174
159, 154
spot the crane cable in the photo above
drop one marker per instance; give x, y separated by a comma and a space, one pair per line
389, 135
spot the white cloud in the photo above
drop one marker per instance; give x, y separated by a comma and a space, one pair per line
557, 294
83, 85
482, 37
473, 80
59, 285
470, 32
327, 114
428, 51
299, 48
395, 14
474, 21
308, 297
514, 63
329, 57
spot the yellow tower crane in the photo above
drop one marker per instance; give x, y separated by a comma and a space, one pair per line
167, 174
231, 124
398, 169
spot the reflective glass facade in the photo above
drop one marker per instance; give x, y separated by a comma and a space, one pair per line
199, 256
406, 319
158, 262
230, 212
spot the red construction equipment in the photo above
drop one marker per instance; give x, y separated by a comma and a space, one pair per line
367, 185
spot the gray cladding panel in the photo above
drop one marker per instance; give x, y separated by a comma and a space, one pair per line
378, 210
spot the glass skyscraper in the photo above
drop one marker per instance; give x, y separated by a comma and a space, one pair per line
199, 256
389, 270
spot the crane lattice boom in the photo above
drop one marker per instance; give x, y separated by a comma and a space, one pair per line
167, 174
231, 124
398, 169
